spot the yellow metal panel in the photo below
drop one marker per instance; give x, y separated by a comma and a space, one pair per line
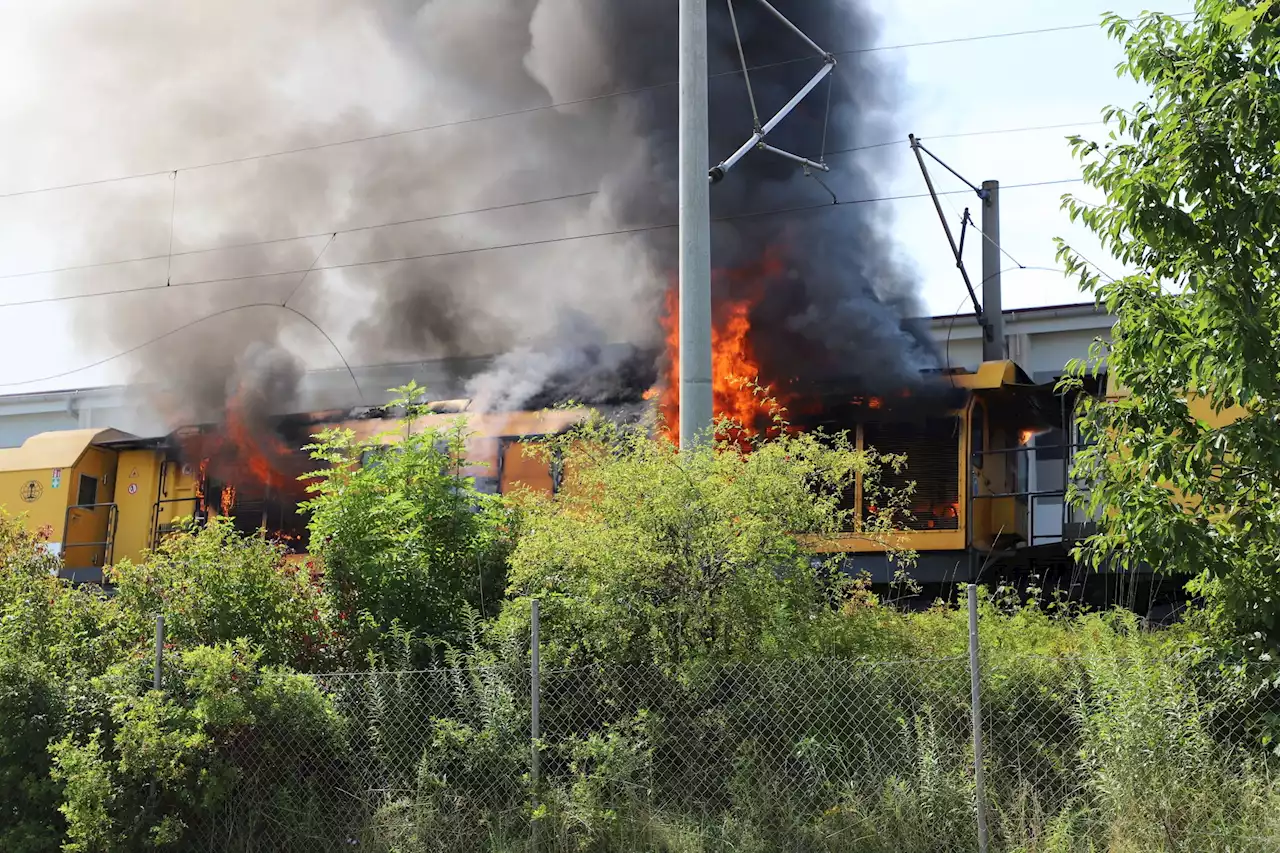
910, 540
89, 528
990, 374
136, 487
178, 498
478, 425
33, 495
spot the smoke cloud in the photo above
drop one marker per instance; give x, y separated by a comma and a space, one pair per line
565, 318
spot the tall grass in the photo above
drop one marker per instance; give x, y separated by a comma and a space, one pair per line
1108, 744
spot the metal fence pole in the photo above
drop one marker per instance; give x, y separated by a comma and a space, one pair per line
159, 670
535, 689
975, 682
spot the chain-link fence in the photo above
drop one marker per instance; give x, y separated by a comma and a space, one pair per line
1090, 754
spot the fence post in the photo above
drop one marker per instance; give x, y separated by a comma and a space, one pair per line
159, 670
975, 683
535, 729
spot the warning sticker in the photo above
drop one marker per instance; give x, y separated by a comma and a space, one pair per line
133, 488
133, 474
57, 478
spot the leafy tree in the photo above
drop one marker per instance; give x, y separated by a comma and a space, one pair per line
406, 541
651, 555
1192, 176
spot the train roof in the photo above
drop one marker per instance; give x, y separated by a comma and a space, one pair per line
62, 449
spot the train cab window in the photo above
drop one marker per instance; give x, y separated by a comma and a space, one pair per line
88, 492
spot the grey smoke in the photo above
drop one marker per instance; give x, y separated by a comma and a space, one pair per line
575, 318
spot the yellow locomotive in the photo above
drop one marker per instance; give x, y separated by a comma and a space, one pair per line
102, 495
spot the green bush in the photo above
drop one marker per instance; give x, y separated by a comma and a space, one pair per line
470, 788
651, 555
42, 618
231, 752
406, 541
214, 585
33, 715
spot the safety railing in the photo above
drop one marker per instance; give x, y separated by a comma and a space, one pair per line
99, 549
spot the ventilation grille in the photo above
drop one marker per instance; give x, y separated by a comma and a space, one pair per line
932, 451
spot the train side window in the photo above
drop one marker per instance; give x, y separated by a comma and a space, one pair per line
88, 493
977, 433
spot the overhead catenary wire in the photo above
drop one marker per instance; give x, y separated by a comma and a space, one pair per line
955, 315
320, 146
317, 235
303, 280
283, 306
889, 143
1100, 270
640, 229
173, 224
983, 234
296, 238
189, 325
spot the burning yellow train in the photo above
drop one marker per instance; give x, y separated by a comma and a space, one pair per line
102, 495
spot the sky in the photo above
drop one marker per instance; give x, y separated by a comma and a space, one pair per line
73, 112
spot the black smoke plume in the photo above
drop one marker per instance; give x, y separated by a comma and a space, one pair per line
561, 317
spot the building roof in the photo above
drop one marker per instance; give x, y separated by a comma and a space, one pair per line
1040, 312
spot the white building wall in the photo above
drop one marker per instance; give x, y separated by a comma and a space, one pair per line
1041, 341
17, 428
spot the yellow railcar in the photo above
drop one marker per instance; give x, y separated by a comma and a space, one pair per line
969, 471
102, 495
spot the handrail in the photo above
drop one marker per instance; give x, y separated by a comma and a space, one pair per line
107, 545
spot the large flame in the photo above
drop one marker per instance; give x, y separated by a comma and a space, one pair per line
739, 391
245, 466
260, 451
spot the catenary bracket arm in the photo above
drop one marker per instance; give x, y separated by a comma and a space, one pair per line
955, 249
717, 174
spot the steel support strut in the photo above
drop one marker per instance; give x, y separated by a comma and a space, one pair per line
718, 172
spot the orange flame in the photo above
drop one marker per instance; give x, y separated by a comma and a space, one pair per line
201, 484
1025, 436
735, 370
228, 499
259, 451
246, 464
940, 513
